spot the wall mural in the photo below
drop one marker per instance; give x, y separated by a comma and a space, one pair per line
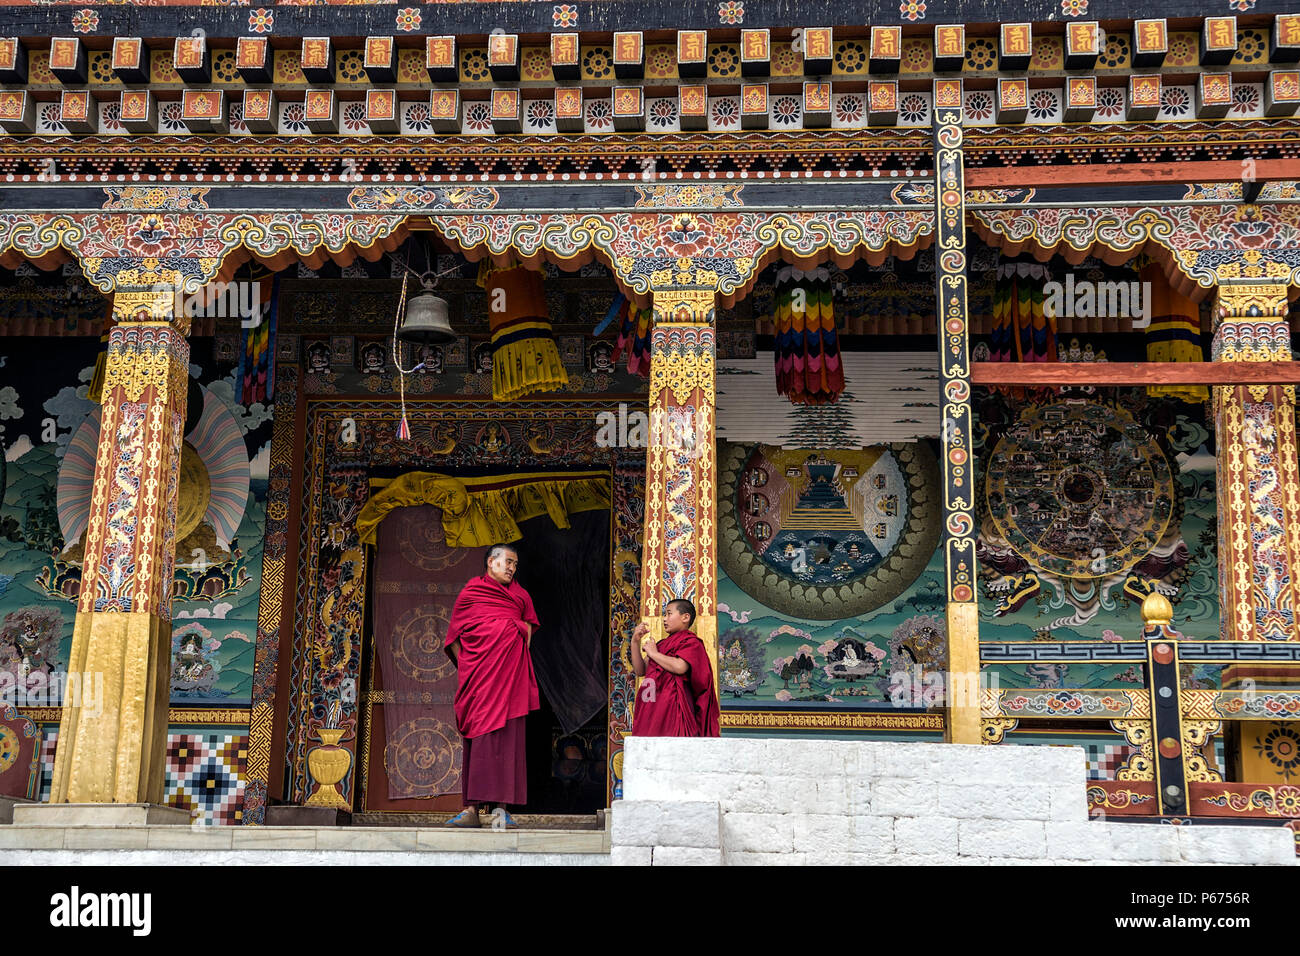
830, 586
1089, 501
49, 430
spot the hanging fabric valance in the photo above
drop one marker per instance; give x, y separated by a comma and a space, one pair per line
481, 511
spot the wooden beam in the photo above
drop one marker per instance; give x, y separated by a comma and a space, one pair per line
1135, 373
1119, 174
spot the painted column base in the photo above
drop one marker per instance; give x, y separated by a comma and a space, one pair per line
113, 734
962, 688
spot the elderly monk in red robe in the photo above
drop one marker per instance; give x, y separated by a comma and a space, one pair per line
676, 699
489, 636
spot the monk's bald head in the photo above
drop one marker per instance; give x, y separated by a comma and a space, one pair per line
501, 562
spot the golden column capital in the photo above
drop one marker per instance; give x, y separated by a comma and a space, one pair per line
1250, 323
152, 306
685, 305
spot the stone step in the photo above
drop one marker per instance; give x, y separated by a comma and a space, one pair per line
413, 842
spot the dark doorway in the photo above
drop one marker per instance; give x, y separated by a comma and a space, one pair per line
567, 574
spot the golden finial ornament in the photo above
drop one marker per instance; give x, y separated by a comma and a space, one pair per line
1156, 610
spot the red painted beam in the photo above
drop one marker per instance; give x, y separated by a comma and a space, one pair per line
1119, 174
1135, 373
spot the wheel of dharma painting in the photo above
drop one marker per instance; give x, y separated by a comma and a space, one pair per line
417, 643
424, 757
1079, 489
826, 534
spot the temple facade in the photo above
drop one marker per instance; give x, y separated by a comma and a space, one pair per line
946, 367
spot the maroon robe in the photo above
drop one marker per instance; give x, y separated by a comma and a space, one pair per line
495, 670
682, 705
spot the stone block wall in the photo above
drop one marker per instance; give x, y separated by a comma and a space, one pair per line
736, 801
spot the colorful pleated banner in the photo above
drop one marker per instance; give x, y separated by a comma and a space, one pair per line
1023, 330
1174, 334
809, 370
634, 337
525, 358
255, 374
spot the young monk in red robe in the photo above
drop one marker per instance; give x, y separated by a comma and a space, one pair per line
488, 637
676, 699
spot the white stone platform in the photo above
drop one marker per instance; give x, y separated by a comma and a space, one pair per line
35, 845
781, 801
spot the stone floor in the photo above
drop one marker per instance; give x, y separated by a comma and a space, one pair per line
25, 844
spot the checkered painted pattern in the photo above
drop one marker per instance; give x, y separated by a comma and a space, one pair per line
205, 771
1105, 759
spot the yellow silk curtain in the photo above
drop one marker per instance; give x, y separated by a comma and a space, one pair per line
477, 512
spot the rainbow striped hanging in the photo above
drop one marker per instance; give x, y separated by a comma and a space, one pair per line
634, 337
524, 355
255, 374
1022, 331
808, 366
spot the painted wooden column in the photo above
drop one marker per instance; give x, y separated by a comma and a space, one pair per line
1258, 483
112, 750
962, 687
679, 558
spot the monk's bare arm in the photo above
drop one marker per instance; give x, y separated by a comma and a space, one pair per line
673, 665
453, 651
638, 662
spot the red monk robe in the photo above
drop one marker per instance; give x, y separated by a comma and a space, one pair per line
681, 705
495, 669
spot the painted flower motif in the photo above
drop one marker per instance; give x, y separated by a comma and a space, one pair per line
1042, 105
408, 19
51, 119
111, 117
663, 113
597, 63
1252, 47
731, 12
294, 118
1074, 8
418, 119
475, 65
237, 124
979, 105
1116, 52
786, 111
169, 118
600, 114
913, 108
851, 58
725, 61
261, 20
850, 108
1182, 50
478, 117
83, 21
354, 117
1245, 99
564, 15
981, 53
1110, 101
541, 113
1241, 5
1174, 101
912, 9
660, 61
725, 111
